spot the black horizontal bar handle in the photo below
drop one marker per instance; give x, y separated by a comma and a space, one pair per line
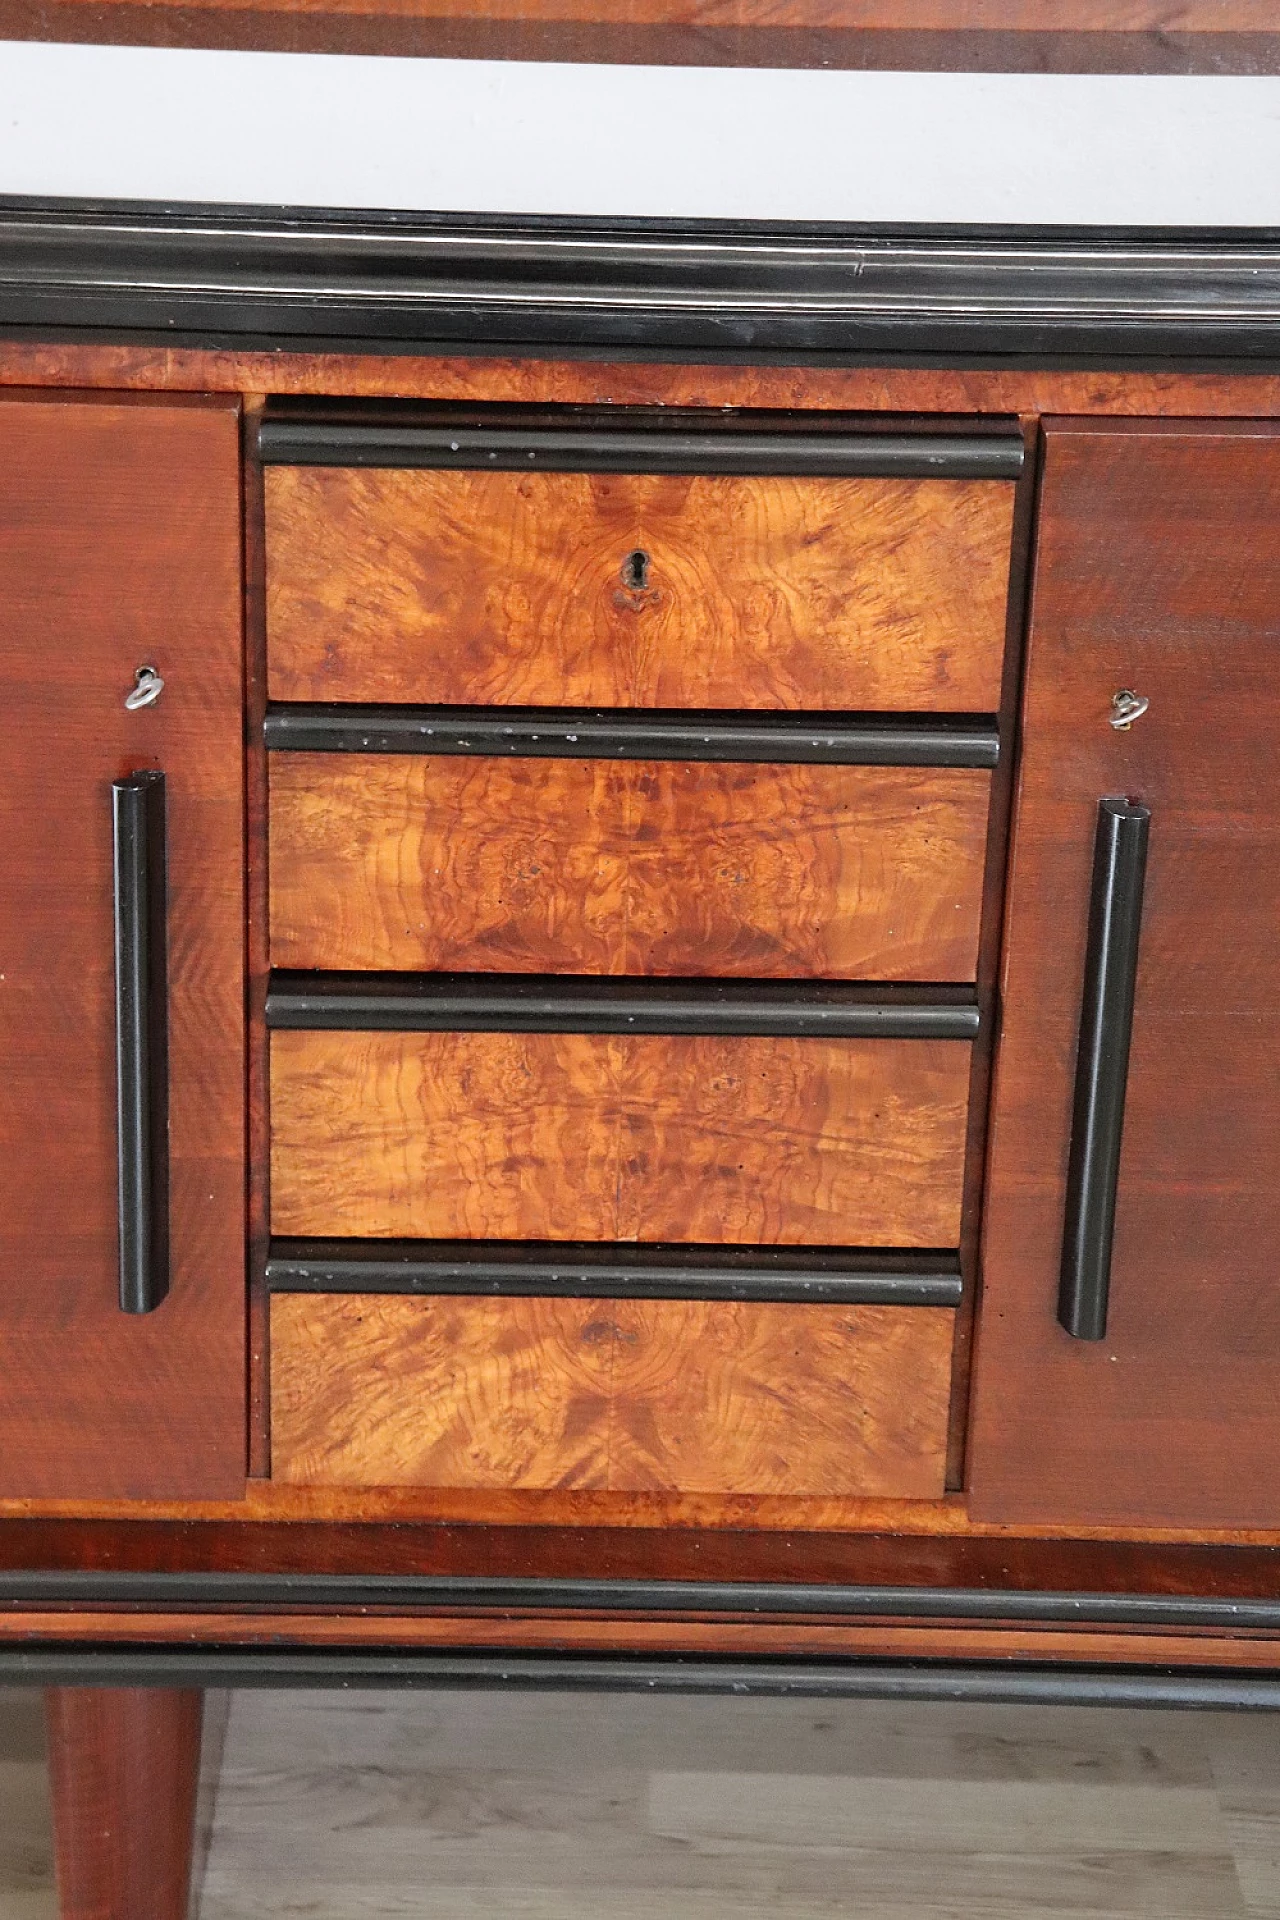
871, 740
567, 1269
375, 441
1102, 1065
568, 1003
142, 1042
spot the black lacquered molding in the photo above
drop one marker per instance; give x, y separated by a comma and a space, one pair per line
870, 740
142, 1029
546, 1003
1102, 1066
348, 443
406, 282
200, 1590
582, 1270
176, 1663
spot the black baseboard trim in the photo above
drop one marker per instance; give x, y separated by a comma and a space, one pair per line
86, 1664
23, 1588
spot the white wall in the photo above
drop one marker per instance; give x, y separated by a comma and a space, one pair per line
487, 136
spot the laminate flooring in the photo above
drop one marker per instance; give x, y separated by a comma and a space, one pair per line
567, 1807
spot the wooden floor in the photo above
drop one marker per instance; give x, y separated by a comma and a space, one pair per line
471, 1807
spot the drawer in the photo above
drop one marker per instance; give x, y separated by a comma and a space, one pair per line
614, 1395
636, 590
587, 1136
629, 867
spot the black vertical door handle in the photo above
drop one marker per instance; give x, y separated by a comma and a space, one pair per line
142, 1040
1102, 1065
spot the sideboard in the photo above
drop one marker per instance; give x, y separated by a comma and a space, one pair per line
638, 971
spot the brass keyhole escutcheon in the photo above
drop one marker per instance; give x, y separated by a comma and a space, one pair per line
635, 571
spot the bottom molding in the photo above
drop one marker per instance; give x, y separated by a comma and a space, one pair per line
87, 1665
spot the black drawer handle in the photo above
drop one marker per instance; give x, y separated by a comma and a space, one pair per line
142, 1041
1102, 1066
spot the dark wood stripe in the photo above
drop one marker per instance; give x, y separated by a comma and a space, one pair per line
618, 734
593, 1271
791, 37
537, 1003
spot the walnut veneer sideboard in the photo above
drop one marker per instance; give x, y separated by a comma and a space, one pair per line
639, 972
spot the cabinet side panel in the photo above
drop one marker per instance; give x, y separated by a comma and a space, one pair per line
119, 547
1158, 571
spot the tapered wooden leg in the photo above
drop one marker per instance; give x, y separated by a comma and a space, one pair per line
124, 1766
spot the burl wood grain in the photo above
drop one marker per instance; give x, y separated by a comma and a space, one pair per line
476, 588
1158, 570
580, 866
119, 546
588, 1137
1023, 389
686, 1396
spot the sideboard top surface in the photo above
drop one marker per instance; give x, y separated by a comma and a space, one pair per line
1064, 36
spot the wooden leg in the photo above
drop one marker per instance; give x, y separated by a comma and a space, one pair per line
124, 1766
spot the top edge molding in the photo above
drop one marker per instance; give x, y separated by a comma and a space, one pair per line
1210, 36
412, 283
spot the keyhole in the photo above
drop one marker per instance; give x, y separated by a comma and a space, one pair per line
635, 570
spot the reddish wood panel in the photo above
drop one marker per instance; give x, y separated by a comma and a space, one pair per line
686, 1395
1159, 571
119, 545
756, 1634
476, 588
585, 1137
124, 1768
333, 1531
1198, 36
588, 866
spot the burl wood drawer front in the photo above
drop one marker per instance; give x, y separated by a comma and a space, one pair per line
474, 588
632, 867
602, 1137
630, 1396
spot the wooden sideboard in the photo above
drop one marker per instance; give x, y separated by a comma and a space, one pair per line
637, 976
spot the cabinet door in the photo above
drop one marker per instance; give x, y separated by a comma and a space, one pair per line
1157, 574
120, 549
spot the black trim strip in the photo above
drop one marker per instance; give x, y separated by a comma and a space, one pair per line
271, 1592
142, 1040
346, 443
873, 740
545, 1003
409, 281
590, 1271
178, 1665
1102, 1066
